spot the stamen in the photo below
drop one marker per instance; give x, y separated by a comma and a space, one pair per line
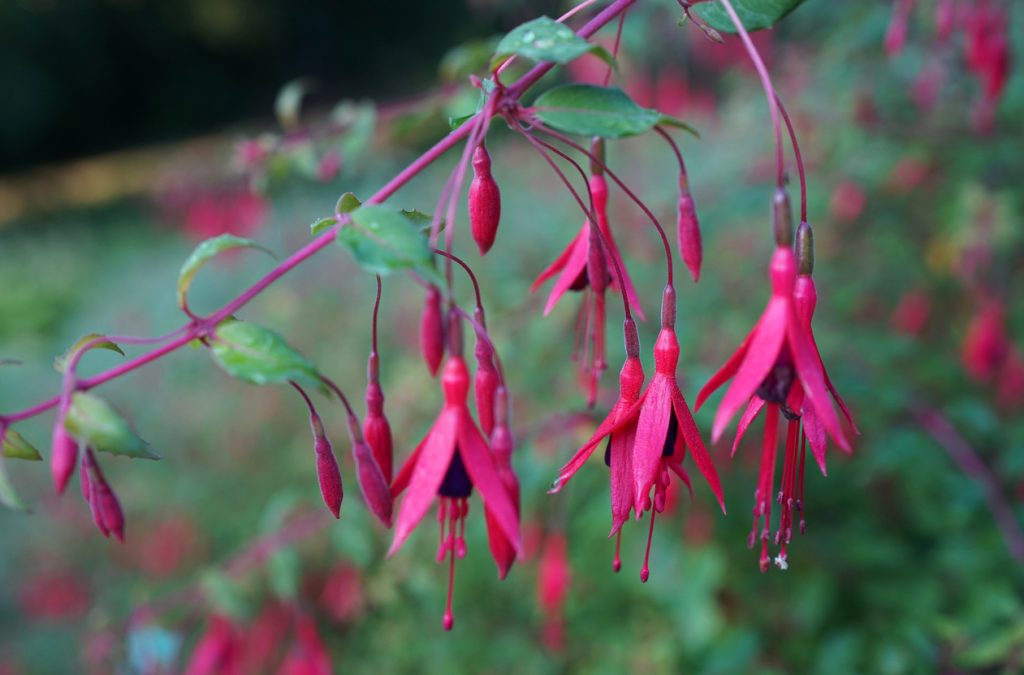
460, 540
449, 619
442, 502
800, 484
645, 572
617, 562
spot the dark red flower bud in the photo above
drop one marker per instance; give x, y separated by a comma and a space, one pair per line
375, 489
327, 472
485, 385
484, 201
106, 509
63, 455
432, 330
376, 427
688, 229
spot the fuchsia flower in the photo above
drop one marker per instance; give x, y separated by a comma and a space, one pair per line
448, 463
432, 330
592, 261
502, 445
307, 655
217, 652
648, 433
778, 368
103, 503
571, 267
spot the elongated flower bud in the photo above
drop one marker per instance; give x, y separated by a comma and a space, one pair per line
327, 472
485, 384
782, 218
106, 509
484, 201
376, 428
432, 330
688, 230
63, 455
375, 489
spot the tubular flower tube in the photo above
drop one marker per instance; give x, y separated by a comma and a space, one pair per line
432, 330
688, 230
327, 473
484, 201
447, 464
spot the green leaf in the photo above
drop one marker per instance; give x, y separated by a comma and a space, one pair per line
360, 121
259, 355
668, 121
544, 39
347, 203
16, 447
93, 421
384, 241
8, 497
285, 572
590, 110
755, 14
321, 225
204, 252
60, 362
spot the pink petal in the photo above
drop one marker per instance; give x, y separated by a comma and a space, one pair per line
765, 345
480, 466
621, 478
754, 407
575, 265
831, 387
405, 473
727, 370
584, 453
816, 436
651, 431
688, 429
555, 267
809, 370
435, 455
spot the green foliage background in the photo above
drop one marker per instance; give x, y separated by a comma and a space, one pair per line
902, 569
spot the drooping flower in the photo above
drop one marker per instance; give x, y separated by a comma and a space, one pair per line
502, 445
790, 369
590, 264
103, 503
376, 428
649, 434
307, 655
447, 464
986, 343
486, 379
63, 455
432, 330
618, 454
218, 649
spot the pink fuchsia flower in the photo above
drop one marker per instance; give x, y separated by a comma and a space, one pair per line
777, 354
987, 343
447, 464
620, 432
502, 445
571, 267
106, 509
376, 428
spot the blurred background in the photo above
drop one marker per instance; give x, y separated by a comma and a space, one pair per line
133, 129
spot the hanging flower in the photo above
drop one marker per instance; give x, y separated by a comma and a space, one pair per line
448, 463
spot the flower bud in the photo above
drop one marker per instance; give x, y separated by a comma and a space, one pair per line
688, 230
372, 484
782, 218
106, 509
376, 428
485, 385
327, 472
63, 455
432, 330
484, 201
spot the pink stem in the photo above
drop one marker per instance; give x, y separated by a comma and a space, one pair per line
197, 329
797, 156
